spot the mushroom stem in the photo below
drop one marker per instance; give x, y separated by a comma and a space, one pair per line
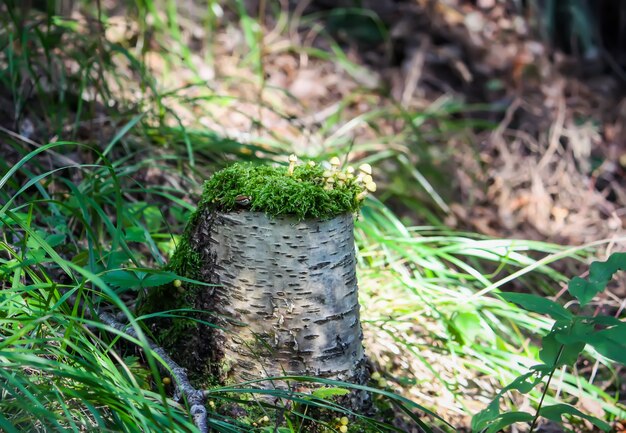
292, 164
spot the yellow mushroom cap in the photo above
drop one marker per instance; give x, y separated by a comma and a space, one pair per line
311, 163
341, 176
335, 161
293, 158
367, 179
327, 173
344, 420
365, 168
343, 429
350, 170
370, 186
330, 180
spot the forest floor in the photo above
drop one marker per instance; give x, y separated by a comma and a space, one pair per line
522, 141
531, 139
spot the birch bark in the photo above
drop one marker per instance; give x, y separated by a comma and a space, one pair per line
286, 299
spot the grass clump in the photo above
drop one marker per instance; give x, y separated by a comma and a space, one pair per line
305, 193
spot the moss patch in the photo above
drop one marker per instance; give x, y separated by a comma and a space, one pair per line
273, 191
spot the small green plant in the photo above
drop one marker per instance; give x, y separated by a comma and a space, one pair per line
562, 346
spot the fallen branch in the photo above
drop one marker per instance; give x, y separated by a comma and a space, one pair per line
195, 398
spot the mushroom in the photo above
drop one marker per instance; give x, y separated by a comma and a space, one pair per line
292, 164
369, 187
350, 173
329, 183
335, 163
311, 163
364, 170
341, 179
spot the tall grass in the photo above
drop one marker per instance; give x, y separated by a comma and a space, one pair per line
118, 194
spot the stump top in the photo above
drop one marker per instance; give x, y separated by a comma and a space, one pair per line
303, 191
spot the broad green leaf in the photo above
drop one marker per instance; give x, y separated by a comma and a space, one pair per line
538, 305
507, 419
122, 278
603, 271
32, 243
585, 290
483, 418
329, 392
523, 383
554, 352
610, 342
137, 279
550, 352
599, 275
34, 256
555, 412
7, 426
157, 279
576, 332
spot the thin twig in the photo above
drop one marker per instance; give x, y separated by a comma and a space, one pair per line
195, 398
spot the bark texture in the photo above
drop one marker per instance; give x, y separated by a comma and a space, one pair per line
287, 297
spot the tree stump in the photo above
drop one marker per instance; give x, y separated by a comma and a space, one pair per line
286, 295
282, 293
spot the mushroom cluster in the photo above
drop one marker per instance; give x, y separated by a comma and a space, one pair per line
341, 424
334, 177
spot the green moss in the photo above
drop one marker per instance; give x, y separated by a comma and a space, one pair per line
273, 191
185, 261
